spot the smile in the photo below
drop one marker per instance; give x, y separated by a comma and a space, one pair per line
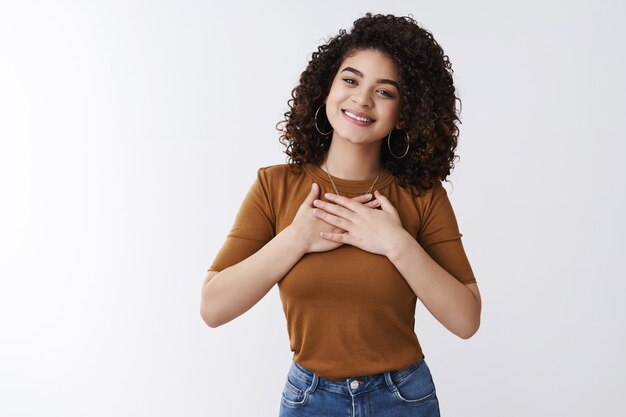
363, 119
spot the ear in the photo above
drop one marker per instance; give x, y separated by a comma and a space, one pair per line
399, 122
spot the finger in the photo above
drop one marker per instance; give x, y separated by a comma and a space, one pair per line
385, 204
344, 201
337, 237
363, 198
313, 194
335, 209
373, 204
332, 219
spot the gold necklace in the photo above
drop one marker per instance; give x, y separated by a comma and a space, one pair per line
335, 187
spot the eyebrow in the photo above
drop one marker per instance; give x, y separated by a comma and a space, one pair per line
380, 80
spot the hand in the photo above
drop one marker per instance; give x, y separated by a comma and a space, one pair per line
375, 231
308, 227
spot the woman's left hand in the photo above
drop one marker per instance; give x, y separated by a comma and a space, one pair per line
370, 229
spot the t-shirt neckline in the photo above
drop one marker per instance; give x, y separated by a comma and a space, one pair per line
345, 186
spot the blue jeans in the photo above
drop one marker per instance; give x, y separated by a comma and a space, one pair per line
407, 392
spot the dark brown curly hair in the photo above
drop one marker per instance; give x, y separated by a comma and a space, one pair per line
428, 111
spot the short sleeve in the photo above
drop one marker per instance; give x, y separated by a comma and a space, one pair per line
440, 237
253, 227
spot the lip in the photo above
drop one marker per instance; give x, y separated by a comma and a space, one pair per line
360, 114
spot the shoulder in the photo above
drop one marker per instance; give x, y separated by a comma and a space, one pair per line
281, 180
427, 197
437, 197
428, 202
274, 170
279, 173
438, 191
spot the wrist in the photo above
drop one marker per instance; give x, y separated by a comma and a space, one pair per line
399, 244
295, 239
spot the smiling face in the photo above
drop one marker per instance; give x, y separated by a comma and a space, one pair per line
363, 104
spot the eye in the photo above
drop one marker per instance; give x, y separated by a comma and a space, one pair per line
349, 81
386, 93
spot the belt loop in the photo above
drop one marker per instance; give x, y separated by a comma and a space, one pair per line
389, 382
314, 383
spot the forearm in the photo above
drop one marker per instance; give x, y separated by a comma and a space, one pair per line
234, 290
451, 302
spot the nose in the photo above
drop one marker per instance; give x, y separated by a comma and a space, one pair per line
363, 98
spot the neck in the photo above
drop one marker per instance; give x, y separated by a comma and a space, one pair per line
353, 162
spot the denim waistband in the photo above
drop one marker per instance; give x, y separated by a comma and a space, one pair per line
348, 386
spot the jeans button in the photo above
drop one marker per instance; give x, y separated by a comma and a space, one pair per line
354, 384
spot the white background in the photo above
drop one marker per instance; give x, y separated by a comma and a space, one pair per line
131, 130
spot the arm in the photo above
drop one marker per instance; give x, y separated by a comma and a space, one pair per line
435, 265
236, 288
453, 304
231, 292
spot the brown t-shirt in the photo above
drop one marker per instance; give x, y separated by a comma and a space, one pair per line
349, 312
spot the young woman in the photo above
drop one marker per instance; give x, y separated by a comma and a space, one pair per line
357, 226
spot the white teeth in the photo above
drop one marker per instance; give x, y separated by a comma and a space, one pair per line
359, 118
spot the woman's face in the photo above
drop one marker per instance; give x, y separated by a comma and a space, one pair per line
363, 104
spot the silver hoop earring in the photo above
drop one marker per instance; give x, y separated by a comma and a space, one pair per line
407, 145
315, 121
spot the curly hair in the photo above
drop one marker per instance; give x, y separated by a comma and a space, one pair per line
428, 106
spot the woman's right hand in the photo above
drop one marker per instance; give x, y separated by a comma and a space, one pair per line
308, 227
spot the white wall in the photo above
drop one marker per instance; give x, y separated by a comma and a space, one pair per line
122, 125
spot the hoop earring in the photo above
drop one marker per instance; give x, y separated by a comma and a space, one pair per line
407, 145
316, 126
